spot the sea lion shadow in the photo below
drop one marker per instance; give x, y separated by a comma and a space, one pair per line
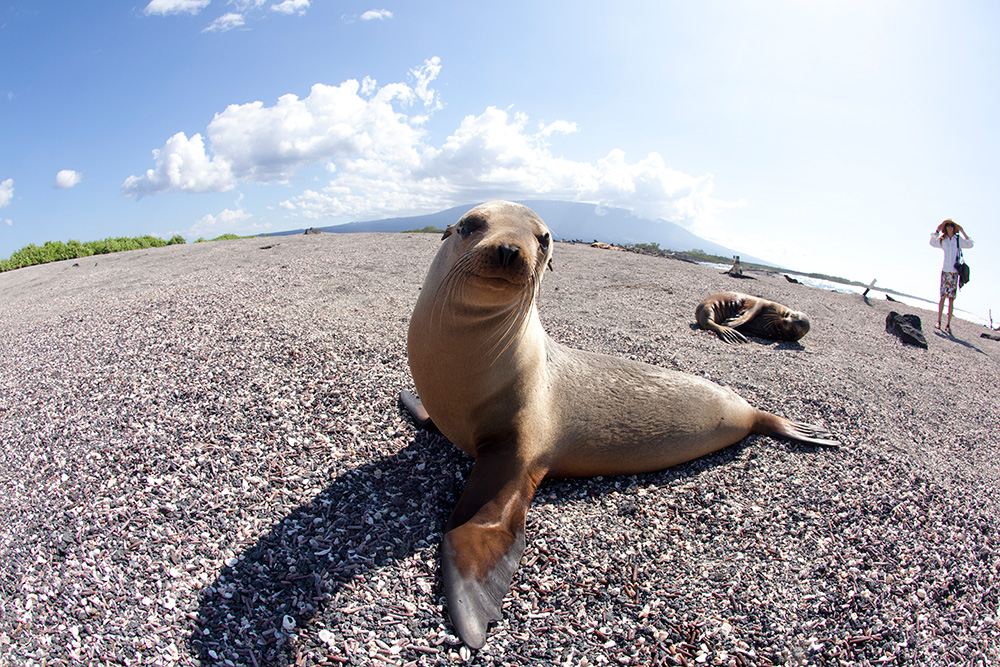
370, 516
792, 345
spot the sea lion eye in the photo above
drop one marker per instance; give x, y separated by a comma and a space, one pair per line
543, 242
468, 226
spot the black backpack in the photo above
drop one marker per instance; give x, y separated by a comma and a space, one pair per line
960, 266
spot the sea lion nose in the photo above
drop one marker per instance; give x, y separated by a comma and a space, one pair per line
507, 254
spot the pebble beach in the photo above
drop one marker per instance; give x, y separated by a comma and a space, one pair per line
203, 461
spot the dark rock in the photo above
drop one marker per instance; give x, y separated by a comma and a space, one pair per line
791, 280
907, 327
313, 230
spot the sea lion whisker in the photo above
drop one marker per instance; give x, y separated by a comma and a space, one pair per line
512, 326
770, 322
528, 299
515, 337
518, 318
450, 287
513, 332
507, 324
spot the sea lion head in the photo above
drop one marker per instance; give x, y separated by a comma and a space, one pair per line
786, 324
495, 254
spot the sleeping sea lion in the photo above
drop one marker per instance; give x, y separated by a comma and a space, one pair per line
727, 312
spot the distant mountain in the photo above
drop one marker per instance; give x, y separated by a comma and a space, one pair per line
568, 221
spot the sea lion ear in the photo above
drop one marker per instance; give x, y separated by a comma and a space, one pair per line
447, 232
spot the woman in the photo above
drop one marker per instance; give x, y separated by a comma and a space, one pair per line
946, 237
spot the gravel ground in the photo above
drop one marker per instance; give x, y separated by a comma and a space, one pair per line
202, 461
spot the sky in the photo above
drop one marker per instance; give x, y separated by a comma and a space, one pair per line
824, 136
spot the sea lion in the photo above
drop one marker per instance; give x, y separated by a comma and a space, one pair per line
726, 312
526, 407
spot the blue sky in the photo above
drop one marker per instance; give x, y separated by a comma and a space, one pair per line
825, 136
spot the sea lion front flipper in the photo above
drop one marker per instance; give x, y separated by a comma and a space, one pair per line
484, 540
743, 316
731, 336
416, 410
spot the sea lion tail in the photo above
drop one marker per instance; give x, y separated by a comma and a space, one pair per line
786, 429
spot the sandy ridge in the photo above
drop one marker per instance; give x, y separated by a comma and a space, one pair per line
203, 461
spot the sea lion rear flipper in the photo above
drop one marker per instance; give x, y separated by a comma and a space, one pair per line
416, 410
484, 541
785, 429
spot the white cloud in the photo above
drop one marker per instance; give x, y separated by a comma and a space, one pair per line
492, 155
376, 14
181, 165
165, 7
6, 192
67, 178
225, 23
7, 221
379, 161
425, 75
261, 144
291, 7
557, 127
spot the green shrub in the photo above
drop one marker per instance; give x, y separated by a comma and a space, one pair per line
54, 251
703, 256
